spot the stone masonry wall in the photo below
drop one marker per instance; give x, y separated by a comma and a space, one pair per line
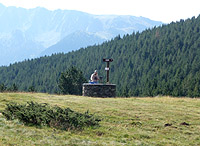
99, 90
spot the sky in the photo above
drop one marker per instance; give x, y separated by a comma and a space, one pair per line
159, 10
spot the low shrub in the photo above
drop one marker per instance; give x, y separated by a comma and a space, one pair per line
36, 114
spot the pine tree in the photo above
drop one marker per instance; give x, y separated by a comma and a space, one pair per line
2, 88
71, 81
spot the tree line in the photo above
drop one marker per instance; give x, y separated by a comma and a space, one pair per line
164, 60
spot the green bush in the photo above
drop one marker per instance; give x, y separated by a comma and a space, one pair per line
35, 114
2, 88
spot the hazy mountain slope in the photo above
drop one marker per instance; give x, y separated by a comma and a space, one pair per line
103, 28
18, 47
46, 28
73, 41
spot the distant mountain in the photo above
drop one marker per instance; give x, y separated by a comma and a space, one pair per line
45, 28
74, 41
17, 47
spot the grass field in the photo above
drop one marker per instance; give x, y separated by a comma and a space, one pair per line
125, 121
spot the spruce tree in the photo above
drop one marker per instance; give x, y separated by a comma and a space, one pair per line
70, 81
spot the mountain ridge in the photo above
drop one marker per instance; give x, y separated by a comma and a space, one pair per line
46, 28
73, 42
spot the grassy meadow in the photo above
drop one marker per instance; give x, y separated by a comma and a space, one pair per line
125, 121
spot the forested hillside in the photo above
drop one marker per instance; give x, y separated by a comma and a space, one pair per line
164, 60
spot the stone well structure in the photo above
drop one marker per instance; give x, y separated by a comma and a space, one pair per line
99, 90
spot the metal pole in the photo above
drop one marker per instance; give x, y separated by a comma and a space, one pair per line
108, 72
107, 68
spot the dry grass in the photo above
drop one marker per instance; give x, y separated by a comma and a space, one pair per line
125, 121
